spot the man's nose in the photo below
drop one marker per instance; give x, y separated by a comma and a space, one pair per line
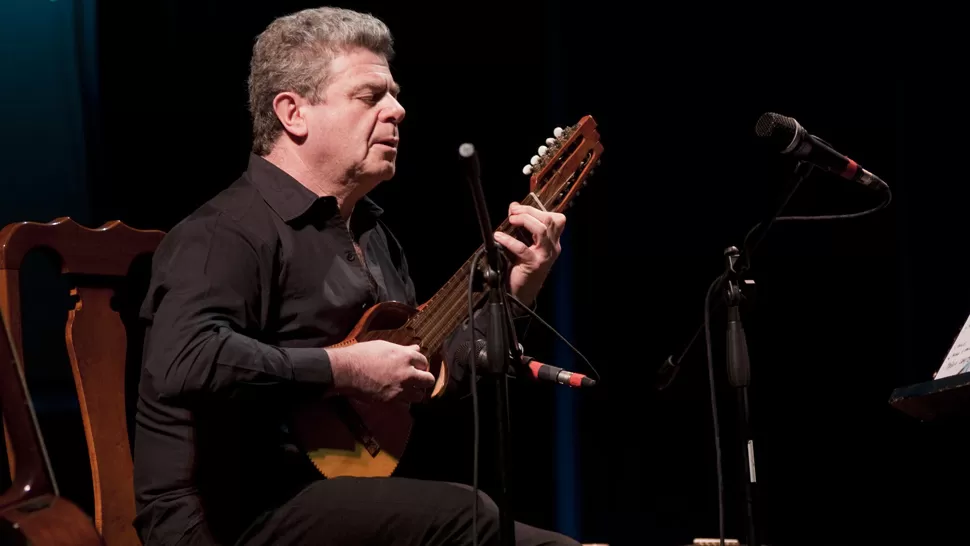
394, 112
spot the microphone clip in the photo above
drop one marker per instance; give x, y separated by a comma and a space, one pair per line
485, 277
739, 288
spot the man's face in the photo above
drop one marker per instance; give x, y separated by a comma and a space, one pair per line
354, 128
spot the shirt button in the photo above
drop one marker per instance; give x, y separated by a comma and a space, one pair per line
351, 256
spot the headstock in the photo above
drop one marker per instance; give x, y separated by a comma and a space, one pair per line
563, 163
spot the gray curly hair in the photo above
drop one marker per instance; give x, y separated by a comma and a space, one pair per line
294, 54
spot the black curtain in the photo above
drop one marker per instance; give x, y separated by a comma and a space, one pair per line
141, 117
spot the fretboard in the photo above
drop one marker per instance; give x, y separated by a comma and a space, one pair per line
448, 308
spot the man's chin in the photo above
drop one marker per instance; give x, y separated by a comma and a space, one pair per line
377, 174
385, 171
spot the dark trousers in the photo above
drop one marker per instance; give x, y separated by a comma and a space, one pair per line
392, 511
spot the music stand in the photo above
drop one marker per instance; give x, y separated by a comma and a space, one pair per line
935, 400
947, 395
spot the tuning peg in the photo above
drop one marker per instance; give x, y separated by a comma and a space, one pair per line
557, 132
543, 150
527, 170
534, 160
550, 141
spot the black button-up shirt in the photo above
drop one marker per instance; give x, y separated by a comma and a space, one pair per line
243, 295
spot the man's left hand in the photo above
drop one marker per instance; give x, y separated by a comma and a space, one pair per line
533, 262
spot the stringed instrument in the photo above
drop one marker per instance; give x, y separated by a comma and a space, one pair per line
346, 436
32, 511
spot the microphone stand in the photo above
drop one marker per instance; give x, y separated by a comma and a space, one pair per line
738, 365
501, 353
739, 376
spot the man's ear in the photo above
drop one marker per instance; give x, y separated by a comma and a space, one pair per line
287, 107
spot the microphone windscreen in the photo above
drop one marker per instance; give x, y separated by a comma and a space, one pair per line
778, 130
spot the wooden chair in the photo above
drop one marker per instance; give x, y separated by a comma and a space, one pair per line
97, 345
31, 510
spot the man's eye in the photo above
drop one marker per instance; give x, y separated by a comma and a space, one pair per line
372, 98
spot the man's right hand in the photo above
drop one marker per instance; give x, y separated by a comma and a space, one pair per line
382, 371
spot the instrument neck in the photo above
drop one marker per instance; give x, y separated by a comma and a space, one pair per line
448, 308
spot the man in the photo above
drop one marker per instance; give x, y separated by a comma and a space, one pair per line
248, 290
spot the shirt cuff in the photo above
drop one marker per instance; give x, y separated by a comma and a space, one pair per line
310, 365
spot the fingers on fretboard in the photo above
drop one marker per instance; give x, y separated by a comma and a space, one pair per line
523, 235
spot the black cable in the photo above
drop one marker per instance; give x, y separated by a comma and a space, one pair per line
748, 252
473, 365
801, 172
717, 429
553, 330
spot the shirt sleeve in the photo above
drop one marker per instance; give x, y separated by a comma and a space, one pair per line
207, 305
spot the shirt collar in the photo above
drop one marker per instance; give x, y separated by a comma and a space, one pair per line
290, 199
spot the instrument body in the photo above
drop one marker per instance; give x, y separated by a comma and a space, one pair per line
345, 436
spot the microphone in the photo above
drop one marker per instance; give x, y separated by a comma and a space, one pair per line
534, 369
787, 136
544, 372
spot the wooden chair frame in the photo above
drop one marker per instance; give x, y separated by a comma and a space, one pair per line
96, 344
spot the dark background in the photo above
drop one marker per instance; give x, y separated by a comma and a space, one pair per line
136, 111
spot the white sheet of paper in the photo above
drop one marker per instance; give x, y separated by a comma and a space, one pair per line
957, 361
